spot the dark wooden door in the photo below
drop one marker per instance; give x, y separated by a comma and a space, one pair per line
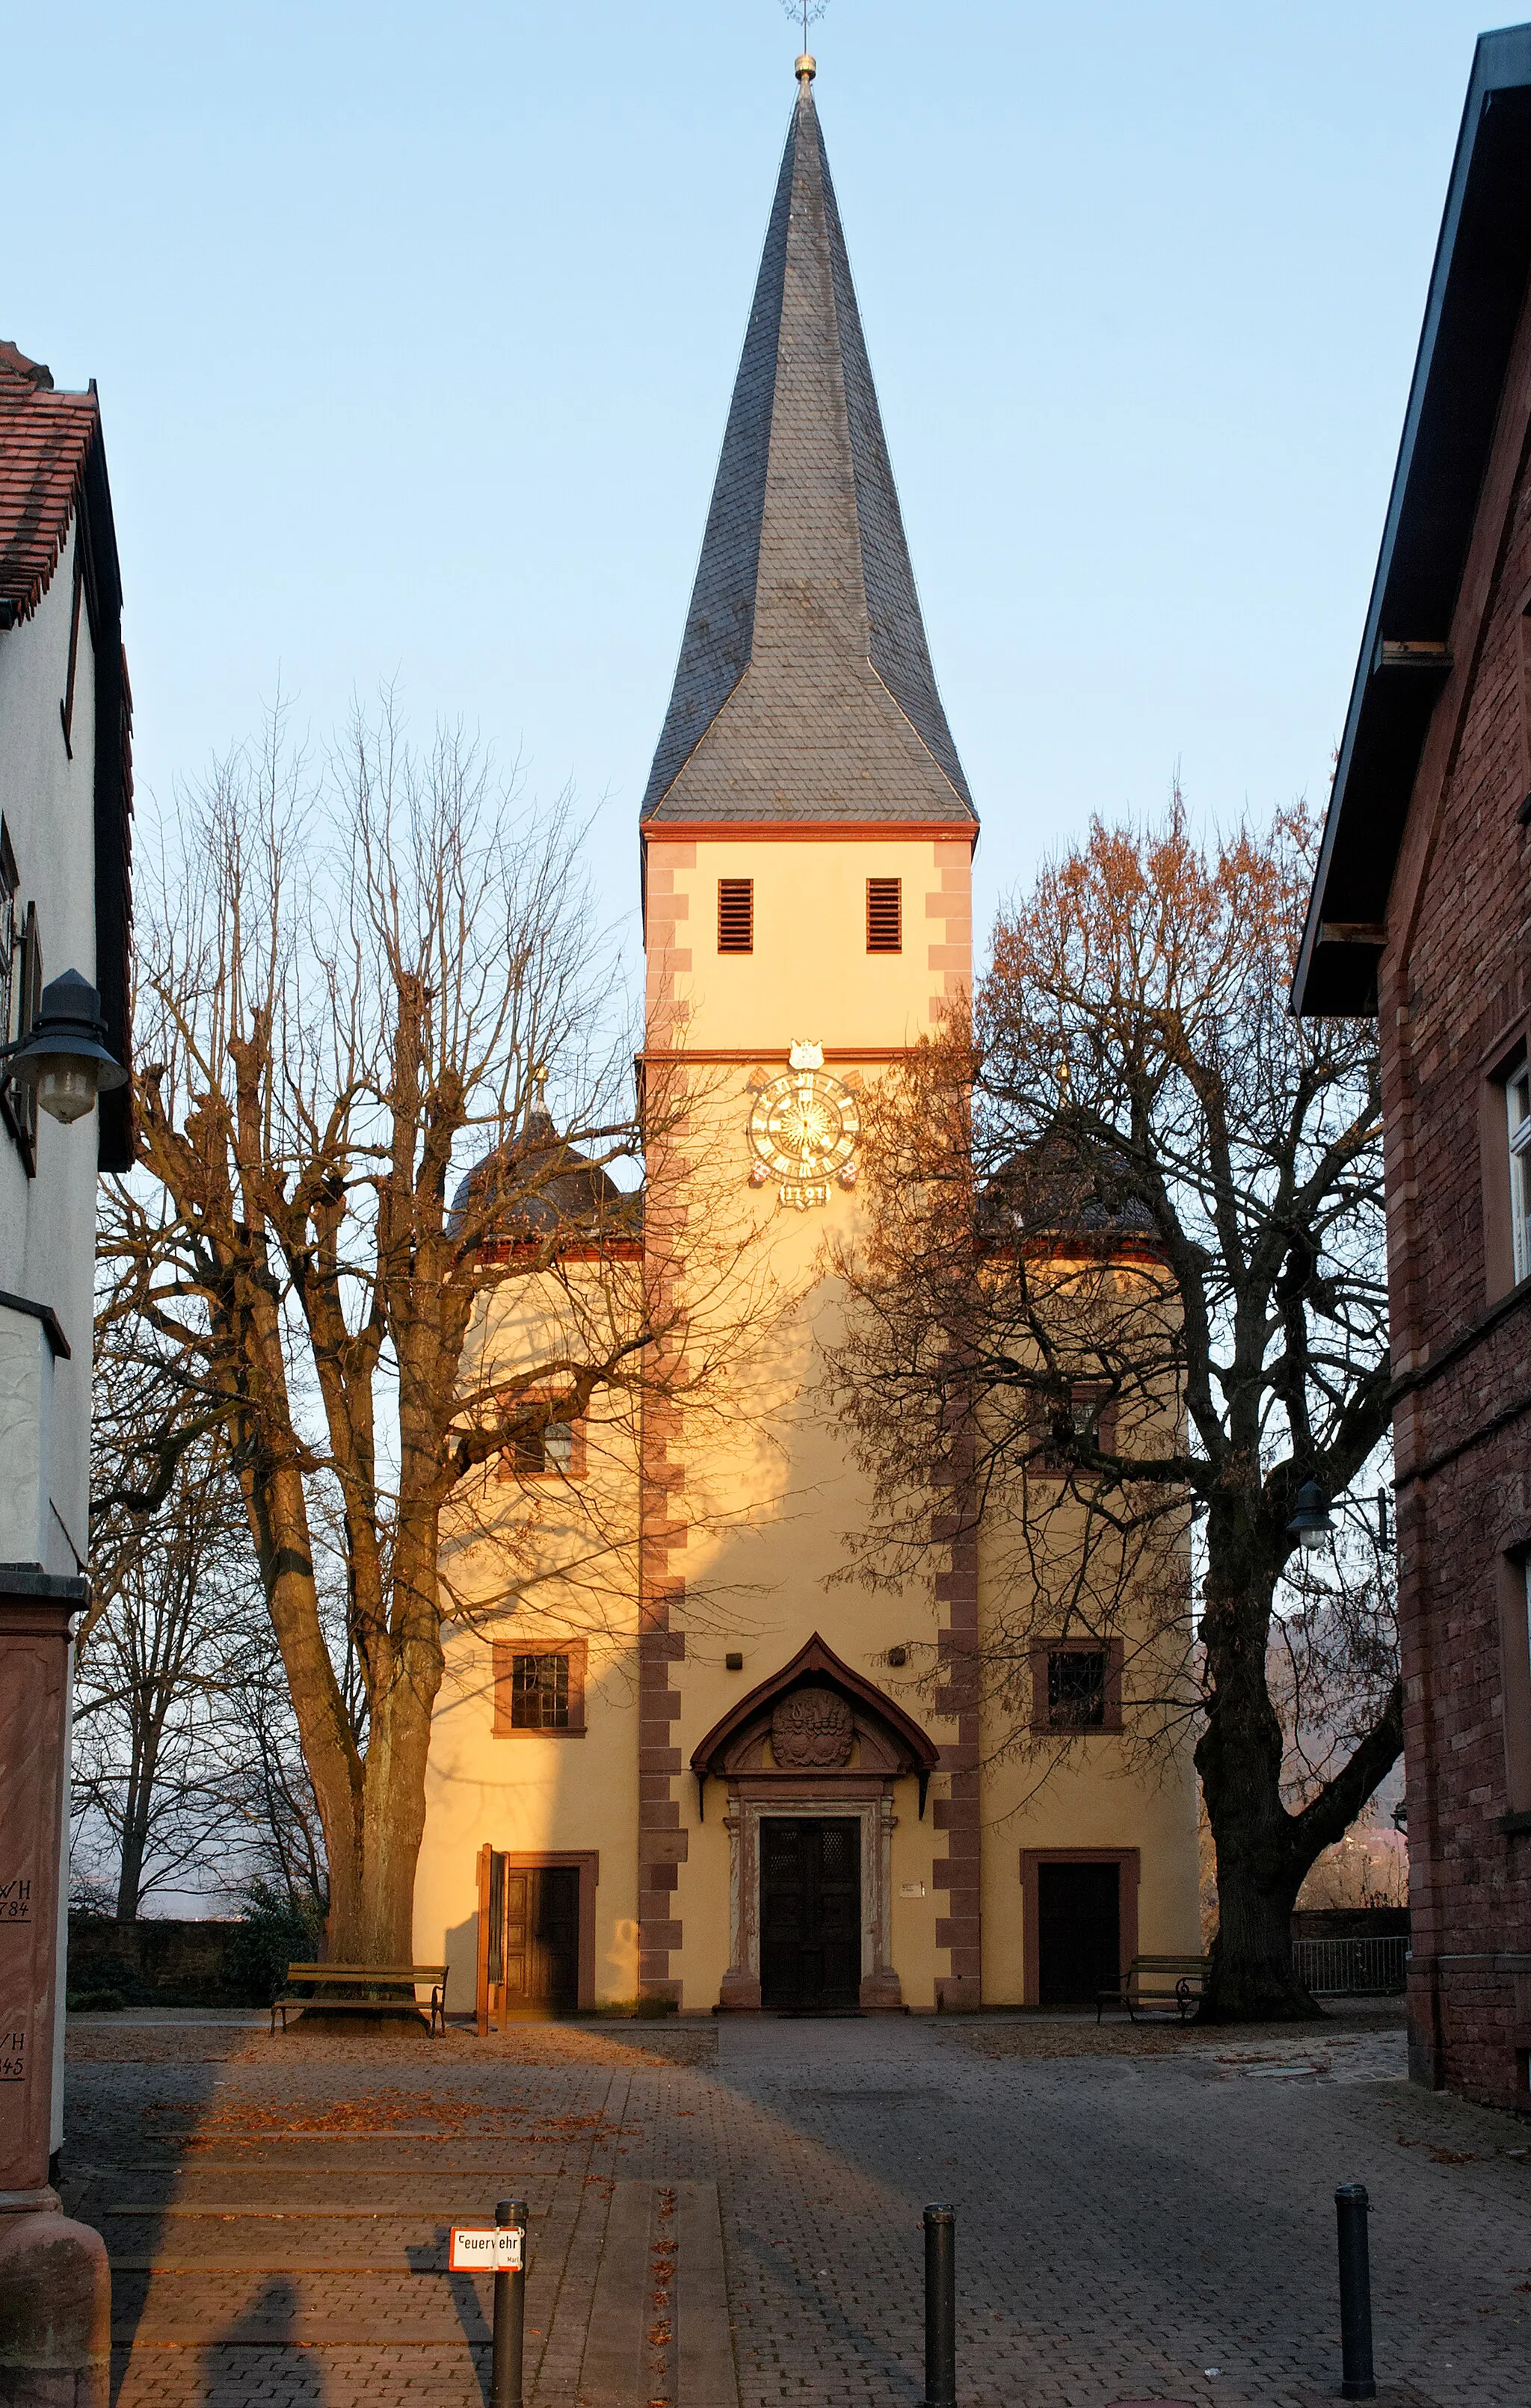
542, 1937
810, 1913
1078, 1932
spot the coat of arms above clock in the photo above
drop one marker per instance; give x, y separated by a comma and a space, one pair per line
804, 1129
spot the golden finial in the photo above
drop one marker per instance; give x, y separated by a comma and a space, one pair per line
807, 12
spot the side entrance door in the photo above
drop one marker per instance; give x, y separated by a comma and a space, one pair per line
810, 1913
529, 1936
1078, 1932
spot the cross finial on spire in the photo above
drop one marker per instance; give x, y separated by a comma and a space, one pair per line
808, 12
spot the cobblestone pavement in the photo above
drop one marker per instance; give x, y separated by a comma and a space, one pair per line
1142, 2216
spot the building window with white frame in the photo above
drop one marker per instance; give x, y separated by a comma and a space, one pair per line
1518, 1101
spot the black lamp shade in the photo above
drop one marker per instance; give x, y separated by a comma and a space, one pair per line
1310, 1522
62, 1055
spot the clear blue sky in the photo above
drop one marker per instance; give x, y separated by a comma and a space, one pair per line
415, 331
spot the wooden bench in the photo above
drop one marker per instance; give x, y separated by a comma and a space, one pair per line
395, 1976
1157, 1985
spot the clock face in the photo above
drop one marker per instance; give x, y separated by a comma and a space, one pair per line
804, 1130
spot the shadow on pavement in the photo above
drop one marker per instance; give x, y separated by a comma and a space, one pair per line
271, 2322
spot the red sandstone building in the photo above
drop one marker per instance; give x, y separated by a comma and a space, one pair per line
1420, 914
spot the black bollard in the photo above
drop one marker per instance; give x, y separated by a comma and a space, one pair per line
510, 2313
940, 2308
1352, 2208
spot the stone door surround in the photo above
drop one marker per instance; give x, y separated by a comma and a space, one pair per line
868, 1802
816, 1738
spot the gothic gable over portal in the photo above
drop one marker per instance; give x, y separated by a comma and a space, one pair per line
818, 1718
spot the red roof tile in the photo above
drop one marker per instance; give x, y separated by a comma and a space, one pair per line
45, 440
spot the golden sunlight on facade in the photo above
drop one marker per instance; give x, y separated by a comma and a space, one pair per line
678, 1757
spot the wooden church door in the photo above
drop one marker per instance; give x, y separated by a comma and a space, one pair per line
810, 1914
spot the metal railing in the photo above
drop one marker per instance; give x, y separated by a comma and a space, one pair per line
1352, 1968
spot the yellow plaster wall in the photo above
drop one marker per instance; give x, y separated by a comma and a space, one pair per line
810, 974
532, 1794
771, 1484
567, 1552
1090, 1801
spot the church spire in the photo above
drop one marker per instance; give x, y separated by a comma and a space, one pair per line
804, 689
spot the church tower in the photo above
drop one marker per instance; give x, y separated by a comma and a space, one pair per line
699, 1768
807, 838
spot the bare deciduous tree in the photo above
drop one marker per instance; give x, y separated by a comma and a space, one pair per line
186, 1770
148, 1695
352, 988
1123, 1288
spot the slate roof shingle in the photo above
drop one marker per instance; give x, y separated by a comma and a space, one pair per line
804, 689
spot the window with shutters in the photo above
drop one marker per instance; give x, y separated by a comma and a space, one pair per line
736, 916
20, 997
884, 915
540, 1690
9, 882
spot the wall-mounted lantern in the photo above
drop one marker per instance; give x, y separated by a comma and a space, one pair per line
62, 1055
1309, 1525
1314, 1518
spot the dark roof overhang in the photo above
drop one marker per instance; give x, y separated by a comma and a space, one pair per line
1477, 287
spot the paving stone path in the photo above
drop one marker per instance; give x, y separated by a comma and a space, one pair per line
728, 2218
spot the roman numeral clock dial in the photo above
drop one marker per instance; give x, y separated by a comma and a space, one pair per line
804, 1130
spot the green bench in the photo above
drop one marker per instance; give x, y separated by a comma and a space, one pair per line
398, 1977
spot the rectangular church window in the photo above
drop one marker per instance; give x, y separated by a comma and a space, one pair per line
1077, 1684
1075, 1689
540, 1691
736, 916
884, 915
551, 1449
1089, 1408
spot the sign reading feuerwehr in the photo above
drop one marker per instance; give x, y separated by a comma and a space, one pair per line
485, 2249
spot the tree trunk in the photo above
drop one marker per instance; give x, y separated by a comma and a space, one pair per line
137, 1807
1251, 1979
1261, 1859
130, 1873
373, 1855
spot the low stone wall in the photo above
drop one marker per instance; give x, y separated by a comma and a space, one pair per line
1350, 1922
165, 1962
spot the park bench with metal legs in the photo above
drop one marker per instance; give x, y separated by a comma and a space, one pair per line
1157, 1985
371, 1977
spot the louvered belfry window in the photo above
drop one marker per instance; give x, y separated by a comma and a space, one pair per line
884, 915
736, 916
